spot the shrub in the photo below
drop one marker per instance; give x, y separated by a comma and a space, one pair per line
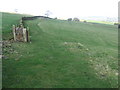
69, 19
85, 21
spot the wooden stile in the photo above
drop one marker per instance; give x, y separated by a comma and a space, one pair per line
20, 33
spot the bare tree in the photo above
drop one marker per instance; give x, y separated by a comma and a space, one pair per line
16, 10
48, 13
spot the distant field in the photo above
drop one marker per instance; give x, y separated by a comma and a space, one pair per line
61, 54
101, 22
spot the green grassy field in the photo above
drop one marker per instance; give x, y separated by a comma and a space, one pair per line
62, 54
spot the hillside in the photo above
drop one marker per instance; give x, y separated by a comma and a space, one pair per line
61, 54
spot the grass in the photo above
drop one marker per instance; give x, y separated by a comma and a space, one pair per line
63, 54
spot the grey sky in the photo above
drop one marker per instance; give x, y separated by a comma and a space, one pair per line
63, 8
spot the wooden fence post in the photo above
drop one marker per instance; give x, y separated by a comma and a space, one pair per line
14, 32
25, 34
28, 38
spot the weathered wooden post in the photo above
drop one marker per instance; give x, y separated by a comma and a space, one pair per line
14, 32
25, 34
28, 38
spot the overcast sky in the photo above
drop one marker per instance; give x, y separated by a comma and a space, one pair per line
63, 8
